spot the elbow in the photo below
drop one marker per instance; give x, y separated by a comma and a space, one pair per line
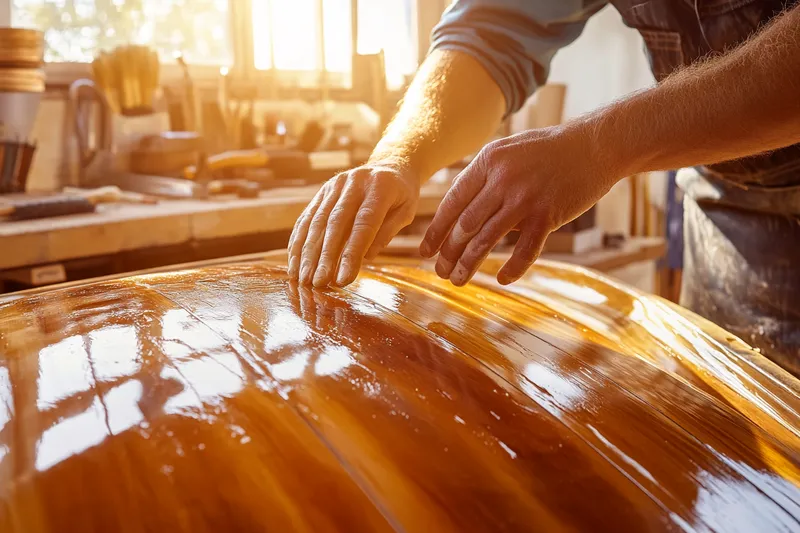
515, 74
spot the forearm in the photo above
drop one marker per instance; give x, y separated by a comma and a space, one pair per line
450, 110
742, 103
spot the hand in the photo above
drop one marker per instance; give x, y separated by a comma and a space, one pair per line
535, 182
354, 215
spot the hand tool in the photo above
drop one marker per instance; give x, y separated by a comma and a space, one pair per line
72, 201
7, 165
111, 194
192, 112
240, 187
162, 186
236, 106
166, 154
45, 207
83, 95
284, 163
128, 76
15, 162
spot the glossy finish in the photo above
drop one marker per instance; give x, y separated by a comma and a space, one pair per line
229, 399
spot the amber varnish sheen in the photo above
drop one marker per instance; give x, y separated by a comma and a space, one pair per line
228, 399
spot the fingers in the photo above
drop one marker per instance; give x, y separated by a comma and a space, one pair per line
300, 232
395, 221
481, 245
340, 222
312, 246
480, 209
366, 226
467, 185
527, 250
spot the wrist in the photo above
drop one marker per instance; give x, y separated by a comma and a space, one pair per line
629, 133
404, 164
589, 151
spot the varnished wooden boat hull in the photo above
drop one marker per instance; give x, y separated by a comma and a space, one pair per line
228, 399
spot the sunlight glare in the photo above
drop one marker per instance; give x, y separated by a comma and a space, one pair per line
384, 24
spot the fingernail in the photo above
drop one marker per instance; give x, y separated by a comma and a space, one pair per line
443, 267
305, 273
425, 249
321, 276
459, 275
458, 235
293, 266
344, 274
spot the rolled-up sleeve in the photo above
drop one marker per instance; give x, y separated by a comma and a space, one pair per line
514, 40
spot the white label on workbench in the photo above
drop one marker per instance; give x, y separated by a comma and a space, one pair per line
47, 275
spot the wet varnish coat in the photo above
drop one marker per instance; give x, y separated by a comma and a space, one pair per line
228, 399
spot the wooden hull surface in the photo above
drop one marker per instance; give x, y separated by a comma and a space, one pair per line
229, 399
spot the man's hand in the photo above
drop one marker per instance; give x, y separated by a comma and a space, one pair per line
354, 215
535, 182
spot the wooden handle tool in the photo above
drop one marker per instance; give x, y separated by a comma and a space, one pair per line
53, 206
111, 194
231, 159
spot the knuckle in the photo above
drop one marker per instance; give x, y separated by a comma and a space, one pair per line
489, 149
480, 248
469, 221
451, 201
361, 229
338, 215
359, 176
489, 153
300, 224
325, 258
367, 214
319, 220
349, 256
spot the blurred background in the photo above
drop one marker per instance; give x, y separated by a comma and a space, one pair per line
262, 100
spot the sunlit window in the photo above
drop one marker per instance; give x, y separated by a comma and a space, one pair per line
285, 32
291, 26
76, 29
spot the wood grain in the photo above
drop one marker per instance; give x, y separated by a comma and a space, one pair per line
227, 398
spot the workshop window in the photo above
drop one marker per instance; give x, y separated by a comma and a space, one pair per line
76, 29
284, 32
383, 24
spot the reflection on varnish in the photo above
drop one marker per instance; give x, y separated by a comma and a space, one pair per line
230, 399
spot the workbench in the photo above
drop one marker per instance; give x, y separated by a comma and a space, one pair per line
127, 237
118, 228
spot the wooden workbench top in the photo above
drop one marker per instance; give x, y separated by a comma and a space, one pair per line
121, 227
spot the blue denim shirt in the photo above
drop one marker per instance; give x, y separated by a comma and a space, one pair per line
514, 40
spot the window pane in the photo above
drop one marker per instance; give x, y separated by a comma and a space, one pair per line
383, 24
76, 29
389, 25
295, 34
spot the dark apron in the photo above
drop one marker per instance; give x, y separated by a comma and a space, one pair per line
742, 217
